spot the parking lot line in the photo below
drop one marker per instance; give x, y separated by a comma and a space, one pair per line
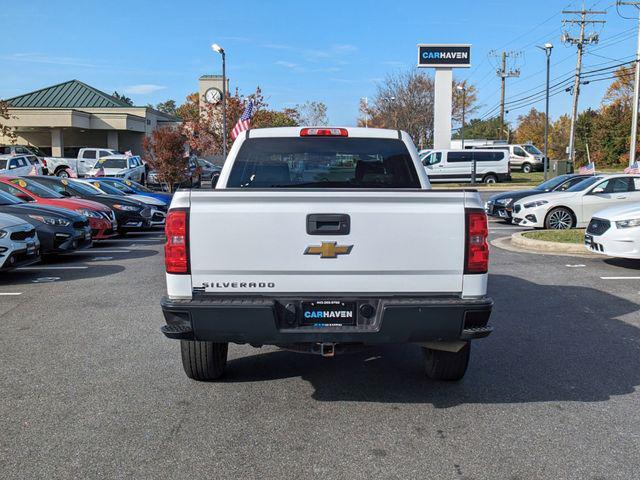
620, 278
10, 294
24, 269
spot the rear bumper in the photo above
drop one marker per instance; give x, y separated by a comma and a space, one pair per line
270, 321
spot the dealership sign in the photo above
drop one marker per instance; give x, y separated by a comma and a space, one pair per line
444, 56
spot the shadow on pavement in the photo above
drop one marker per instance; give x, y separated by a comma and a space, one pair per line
551, 343
623, 263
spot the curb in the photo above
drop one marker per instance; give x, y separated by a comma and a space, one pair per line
519, 240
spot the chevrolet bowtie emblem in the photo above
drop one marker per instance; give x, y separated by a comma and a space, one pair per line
329, 250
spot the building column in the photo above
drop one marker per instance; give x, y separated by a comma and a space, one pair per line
443, 103
57, 142
112, 139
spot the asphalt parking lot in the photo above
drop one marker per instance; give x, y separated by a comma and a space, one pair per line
91, 389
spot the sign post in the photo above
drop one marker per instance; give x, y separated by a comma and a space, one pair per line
444, 58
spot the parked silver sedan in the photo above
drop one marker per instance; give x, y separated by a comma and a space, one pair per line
19, 244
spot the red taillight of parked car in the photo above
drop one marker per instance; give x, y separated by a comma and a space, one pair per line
477, 248
176, 248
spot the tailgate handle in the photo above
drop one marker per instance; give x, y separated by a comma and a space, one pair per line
328, 224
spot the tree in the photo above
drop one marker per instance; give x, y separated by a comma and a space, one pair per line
165, 152
481, 129
611, 135
470, 101
5, 130
620, 92
168, 107
312, 113
559, 137
403, 101
531, 128
122, 98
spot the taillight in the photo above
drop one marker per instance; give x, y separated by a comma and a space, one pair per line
176, 250
324, 132
44, 162
477, 248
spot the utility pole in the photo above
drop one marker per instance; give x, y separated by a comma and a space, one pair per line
547, 48
636, 91
503, 72
580, 43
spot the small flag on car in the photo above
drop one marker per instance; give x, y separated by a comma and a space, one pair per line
589, 168
99, 172
33, 171
128, 154
633, 168
244, 122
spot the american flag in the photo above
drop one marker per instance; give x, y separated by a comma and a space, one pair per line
244, 121
633, 168
589, 168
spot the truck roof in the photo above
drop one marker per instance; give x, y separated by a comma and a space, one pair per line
354, 132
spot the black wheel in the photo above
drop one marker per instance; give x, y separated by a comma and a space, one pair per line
490, 179
449, 366
62, 173
526, 167
203, 361
559, 219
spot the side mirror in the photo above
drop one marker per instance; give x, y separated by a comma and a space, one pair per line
597, 190
11, 167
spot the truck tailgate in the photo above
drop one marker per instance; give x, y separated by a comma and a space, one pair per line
254, 241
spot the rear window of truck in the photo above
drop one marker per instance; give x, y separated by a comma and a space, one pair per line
317, 162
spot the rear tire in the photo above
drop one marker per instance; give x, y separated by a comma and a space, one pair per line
559, 219
447, 366
62, 173
526, 168
490, 179
204, 361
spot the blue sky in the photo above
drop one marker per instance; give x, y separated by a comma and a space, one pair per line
329, 51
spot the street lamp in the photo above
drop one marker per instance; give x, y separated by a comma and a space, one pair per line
217, 48
547, 50
366, 111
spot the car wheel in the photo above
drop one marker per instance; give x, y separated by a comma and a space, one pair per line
526, 167
203, 361
449, 366
490, 179
559, 219
62, 173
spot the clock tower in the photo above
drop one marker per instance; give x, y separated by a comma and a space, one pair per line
210, 89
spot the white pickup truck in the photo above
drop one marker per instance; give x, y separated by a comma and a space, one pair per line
85, 161
319, 239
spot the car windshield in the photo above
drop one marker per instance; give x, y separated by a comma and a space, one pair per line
35, 188
323, 162
532, 150
3, 163
139, 187
552, 183
37, 151
85, 188
584, 184
112, 163
106, 188
120, 186
8, 199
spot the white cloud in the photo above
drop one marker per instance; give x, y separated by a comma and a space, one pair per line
286, 64
143, 89
46, 59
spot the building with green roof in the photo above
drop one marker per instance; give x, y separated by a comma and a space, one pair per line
62, 118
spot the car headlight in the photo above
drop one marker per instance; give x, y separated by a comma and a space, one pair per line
504, 201
61, 222
632, 222
88, 213
126, 208
537, 203
3, 233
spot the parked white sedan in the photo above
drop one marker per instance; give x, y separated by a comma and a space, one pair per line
615, 232
575, 206
119, 166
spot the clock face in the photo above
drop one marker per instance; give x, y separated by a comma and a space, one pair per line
213, 95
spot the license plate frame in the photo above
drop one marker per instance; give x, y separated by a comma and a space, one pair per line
328, 313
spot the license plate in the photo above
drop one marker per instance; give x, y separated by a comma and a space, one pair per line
328, 313
87, 236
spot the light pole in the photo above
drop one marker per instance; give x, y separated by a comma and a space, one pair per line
463, 89
547, 50
366, 111
217, 48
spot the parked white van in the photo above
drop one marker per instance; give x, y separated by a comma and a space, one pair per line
525, 157
457, 165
